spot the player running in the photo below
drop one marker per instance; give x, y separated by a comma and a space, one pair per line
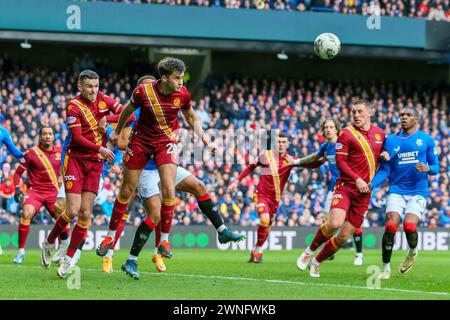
5, 138
86, 118
274, 176
327, 152
358, 150
413, 157
155, 134
42, 164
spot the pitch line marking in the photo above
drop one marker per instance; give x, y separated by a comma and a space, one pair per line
259, 280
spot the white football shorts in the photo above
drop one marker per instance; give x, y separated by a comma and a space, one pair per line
148, 184
403, 204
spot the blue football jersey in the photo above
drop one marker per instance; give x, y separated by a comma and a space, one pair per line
328, 150
406, 151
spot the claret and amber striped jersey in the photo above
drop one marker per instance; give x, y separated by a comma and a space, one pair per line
274, 174
86, 114
358, 153
43, 168
158, 120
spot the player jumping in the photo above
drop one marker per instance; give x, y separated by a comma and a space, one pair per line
413, 158
358, 150
155, 134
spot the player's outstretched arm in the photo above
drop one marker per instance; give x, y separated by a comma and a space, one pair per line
303, 161
432, 159
233, 186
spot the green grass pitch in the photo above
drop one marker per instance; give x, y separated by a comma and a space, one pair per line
214, 274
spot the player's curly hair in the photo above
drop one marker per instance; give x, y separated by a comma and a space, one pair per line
168, 65
336, 125
45, 127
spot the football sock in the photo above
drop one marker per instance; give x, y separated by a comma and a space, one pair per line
263, 232
259, 249
322, 235
60, 224
207, 207
120, 208
24, 229
22, 251
328, 250
386, 246
110, 253
118, 234
167, 212
164, 237
357, 237
157, 235
141, 236
411, 236
79, 233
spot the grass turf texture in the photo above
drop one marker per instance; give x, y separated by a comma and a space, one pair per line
214, 274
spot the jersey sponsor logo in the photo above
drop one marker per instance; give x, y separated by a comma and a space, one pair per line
176, 102
69, 178
338, 196
261, 207
339, 146
58, 156
71, 120
377, 137
102, 105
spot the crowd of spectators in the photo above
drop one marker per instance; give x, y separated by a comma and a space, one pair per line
438, 10
30, 98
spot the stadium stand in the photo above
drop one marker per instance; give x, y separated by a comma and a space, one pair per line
30, 97
438, 10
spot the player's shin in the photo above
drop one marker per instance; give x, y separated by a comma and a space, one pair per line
60, 224
331, 247
167, 211
141, 236
411, 236
78, 235
24, 229
207, 207
119, 232
119, 210
323, 234
388, 243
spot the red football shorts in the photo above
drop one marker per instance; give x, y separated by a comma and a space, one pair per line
82, 175
39, 198
138, 153
267, 205
353, 202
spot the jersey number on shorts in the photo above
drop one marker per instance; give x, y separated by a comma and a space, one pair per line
172, 148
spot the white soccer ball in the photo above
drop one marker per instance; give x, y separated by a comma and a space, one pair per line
327, 46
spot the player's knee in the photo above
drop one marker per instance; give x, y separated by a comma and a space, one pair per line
84, 214
199, 188
264, 220
391, 227
60, 206
28, 214
409, 227
332, 225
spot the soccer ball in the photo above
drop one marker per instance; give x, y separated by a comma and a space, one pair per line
327, 46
